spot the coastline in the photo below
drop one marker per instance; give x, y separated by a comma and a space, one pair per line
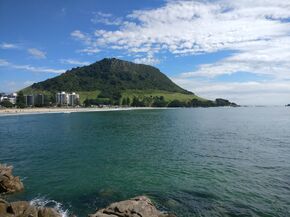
30, 111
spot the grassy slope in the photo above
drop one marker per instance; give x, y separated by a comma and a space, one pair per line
169, 96
88, 95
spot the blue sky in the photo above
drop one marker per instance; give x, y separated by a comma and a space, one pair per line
238, 50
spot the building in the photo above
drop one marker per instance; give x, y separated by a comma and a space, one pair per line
73, 99
9, 97
29, 100
67, 99
34, 100
62, 98
38, 100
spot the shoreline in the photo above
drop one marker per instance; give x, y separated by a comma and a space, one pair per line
31, 111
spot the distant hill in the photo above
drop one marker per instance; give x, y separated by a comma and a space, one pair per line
115, 81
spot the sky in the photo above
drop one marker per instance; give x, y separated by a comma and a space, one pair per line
238, 50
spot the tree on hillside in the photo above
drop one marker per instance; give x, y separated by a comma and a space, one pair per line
20, 100
128, 101
159, 101
124, 102
177, 103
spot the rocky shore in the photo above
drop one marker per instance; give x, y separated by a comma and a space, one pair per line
8, 182
140, 206
25, 209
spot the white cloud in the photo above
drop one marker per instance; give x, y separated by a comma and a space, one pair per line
89, 50
5, 45
4, 63
37, 53
38, 69
74, 62
244, 93
85, 38
194, 27
271, 59
106, 18
148, 60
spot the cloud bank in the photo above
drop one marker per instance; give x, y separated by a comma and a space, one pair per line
5, 63
256, 32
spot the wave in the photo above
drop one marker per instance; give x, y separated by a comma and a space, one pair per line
44, 202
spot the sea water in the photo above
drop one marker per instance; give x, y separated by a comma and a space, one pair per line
193, 162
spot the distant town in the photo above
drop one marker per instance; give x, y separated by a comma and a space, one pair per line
61, 99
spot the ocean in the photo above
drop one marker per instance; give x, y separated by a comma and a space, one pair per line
189, 161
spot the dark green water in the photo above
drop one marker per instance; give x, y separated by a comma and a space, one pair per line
194, 162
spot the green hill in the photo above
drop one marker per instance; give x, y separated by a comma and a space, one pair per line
115, 79
117, 82
110, 73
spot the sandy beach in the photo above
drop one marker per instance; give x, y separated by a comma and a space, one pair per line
25, 111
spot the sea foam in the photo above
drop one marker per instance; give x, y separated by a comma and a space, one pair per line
44, 202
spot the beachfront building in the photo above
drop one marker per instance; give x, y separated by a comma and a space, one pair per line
61, 98
38, 100
34, 100
67, 99
29, 100
9, 97
73, 99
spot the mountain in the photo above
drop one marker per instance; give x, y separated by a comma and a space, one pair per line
108, 74
114, 81
113, 78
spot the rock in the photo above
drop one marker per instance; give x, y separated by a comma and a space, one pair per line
25, 209
18, 208
136, 207
48, 212
8, 182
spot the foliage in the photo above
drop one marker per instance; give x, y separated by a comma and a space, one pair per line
126, 101
6, 104
97, 102
159, 102
137, 102
20, 100
224, 102
177, 103
113, 94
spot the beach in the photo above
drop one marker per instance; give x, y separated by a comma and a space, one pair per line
25, 111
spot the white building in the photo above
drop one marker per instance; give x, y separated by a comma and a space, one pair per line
10, 97
62, 98
73, 99
67, 99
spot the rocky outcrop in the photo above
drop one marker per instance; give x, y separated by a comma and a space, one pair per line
25, 209
136, 207
8, 182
